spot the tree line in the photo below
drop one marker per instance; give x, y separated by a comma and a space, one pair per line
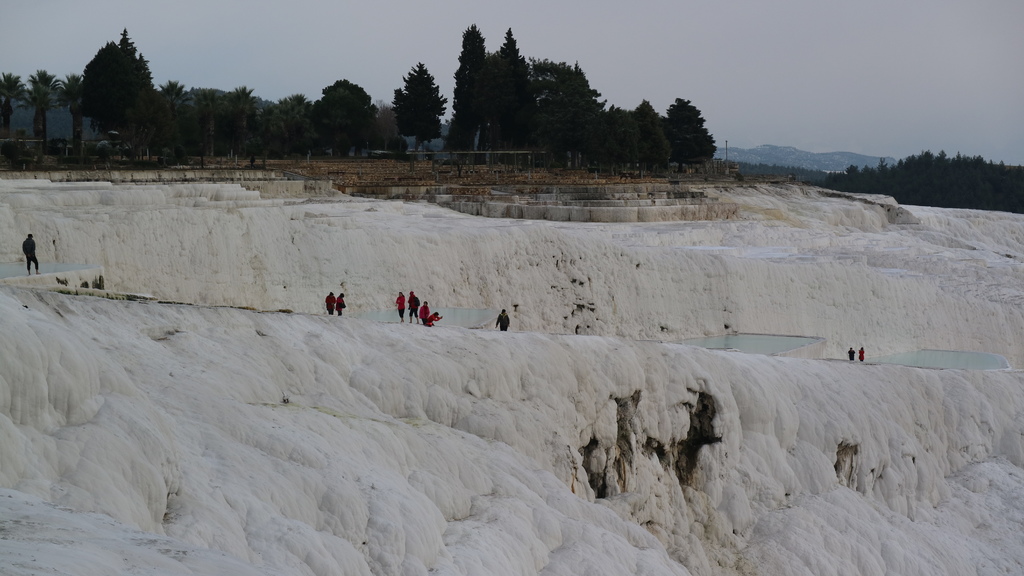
501, 101
939, 180
801, 174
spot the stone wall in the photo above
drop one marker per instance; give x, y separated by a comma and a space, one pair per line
269, 183
695, 211
143, 176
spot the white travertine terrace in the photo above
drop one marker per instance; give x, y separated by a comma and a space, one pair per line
153, 437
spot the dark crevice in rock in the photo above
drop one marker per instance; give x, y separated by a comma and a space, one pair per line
681, 456
595, 475
625, 415
846, 464
702, 433
608, 467
608, 470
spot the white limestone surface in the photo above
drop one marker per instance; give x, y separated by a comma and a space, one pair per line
155, 438
800, 263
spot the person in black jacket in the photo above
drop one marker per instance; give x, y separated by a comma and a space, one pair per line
502, 321
29, 248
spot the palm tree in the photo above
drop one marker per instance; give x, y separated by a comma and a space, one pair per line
269, 127
42, 90
286, 124
206, 103
12, 90
241, 104
175, 95
70, 95
295, 125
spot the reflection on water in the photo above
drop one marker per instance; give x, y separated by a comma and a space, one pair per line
463, 317
753, 343
947, 359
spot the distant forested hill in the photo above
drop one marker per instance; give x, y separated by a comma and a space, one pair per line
789, 156
801, 174
58, 122
939, 180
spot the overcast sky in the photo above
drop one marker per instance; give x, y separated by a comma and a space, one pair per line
876, 77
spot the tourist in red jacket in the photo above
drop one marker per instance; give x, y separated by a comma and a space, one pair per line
424, 313
400, 304
433, 318
330, 301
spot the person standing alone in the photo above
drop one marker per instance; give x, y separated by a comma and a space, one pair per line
29, 248
503, 320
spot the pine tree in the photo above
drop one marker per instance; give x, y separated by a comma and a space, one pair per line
112, 82
684, 128
653, 148
344, 115
419, 106
568, 109
616, 143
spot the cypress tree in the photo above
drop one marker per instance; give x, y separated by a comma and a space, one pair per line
465, 118
515, 120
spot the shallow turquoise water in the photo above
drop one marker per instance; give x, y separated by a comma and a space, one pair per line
9, 269
947, 359
753, 343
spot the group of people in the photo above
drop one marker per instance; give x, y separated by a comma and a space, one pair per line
853, 354
417, 312
335, 303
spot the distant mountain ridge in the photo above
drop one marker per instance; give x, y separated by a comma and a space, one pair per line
790, 156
